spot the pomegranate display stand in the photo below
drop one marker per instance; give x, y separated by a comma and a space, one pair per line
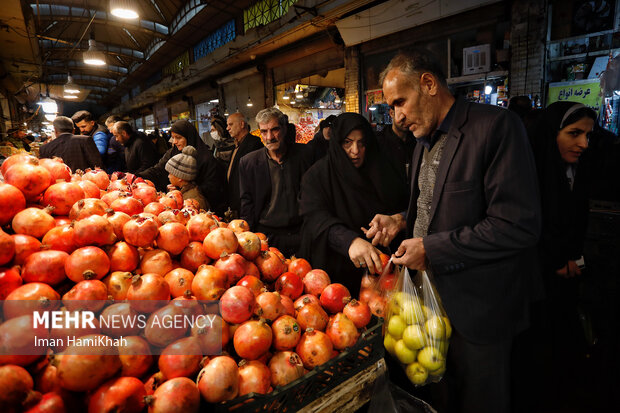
343, 383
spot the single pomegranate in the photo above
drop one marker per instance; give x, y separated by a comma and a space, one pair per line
80, 372
369, 281
219, 380
154, 208
57, 168
87, 207
181, 359
269, 306
286, 333
289, 306
253, 283
42, 297
98, 176
145, 292
252, 269
119, 185
127, 204
341, 331
173, 215
233, 265
122, 394
252, 339
9, 280
24, 246
94, 230
315, 282
109, 324
175, 395
29, 177
87, 263
314, 348
285, 367
312, 316
118, 220
177, 196
112, 195
299, 266
33, 221
254, 377
290, 284
15, 386
378, 305
218, 241
118, 283
212, 337
144, 193
12, 201
86, 295
237, 304
17, 340
140, 232
239, 225
180, 281
306, 299
249, 245
123, 257
15, 159
135, 355
193, 256
60, 238
7, 247
62, 196
366, 295
199, 226
173, 237
49, 403
46, 267
209, 283
358, 312
270, 265
157, 262
91, 190
334, 297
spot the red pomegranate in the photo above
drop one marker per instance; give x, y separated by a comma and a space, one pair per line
252, 269
120, 311
119, 184
24, 246
270, 265
249, 245
334, 297
253, 283
49, 403
180, 281
9, 280
140, 232
287, 303
218, 241
60, 238
269, 306
177, 196
290, 284
312, 316
57, 168
193, 256
286, 333
15, 387
91, 190
123, 257
118, 220
157, 262
15, 159
209, 283
359, 313
237, 304
173, 237
175, 395
42, 297
94, 230
285, 367
306, 299
200, 225
377, 305
98, 176
254, 377
46, 267
299, 266
87, 207
118, 283
112, 195
62, 196
213, 338
7, 247
17, 340
341, 331
87, 263
127, 204
86, 295
219, 380
239, 225
252, 339
314, 348
145, 193
181, 359
135, 355
154, 381
159, 332
29, 177
12, 201
315, 281
154, 208
233, 265
146, 290
173, 215
123, 394
33, 221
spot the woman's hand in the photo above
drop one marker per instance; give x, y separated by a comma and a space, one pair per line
569, 270
363, 254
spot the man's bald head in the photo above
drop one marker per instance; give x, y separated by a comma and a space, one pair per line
236, 126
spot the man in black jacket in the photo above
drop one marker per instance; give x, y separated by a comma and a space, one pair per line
270, 181
140, 153
78, 152
245, 143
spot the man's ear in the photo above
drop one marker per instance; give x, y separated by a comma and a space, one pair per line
428, 83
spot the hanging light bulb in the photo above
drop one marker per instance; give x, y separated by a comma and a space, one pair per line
225, 111
125, 9
93, 56
48, 105
250, 104
71, 87
372, 108
337, 100
285, 96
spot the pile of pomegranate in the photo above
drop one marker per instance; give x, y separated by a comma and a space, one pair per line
89, 236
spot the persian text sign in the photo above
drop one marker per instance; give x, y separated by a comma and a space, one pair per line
582, 91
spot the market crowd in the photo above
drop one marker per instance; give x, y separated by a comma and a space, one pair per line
494, 212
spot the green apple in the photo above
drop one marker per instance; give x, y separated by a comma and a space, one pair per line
403, 353
396, 326
448, 327
412, 313
393, 308
428, 312
388, 343
414, 337
439, 372
401, 297
431, 358
416, 373
435, 328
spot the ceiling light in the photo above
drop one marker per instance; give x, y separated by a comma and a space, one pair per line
225, 112
372, 108
71, 87
299, 95
48, 105
125, 9
50, 116
337, 100
214, 101
250, 104
69, 96
488, 90
286, 97
93, 56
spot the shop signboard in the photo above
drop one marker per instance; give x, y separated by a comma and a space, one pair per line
585, 91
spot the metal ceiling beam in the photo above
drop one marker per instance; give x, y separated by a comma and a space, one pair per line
85, 20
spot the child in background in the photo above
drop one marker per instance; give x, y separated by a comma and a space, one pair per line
182, 170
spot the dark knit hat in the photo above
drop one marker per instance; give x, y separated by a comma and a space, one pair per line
184, 165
